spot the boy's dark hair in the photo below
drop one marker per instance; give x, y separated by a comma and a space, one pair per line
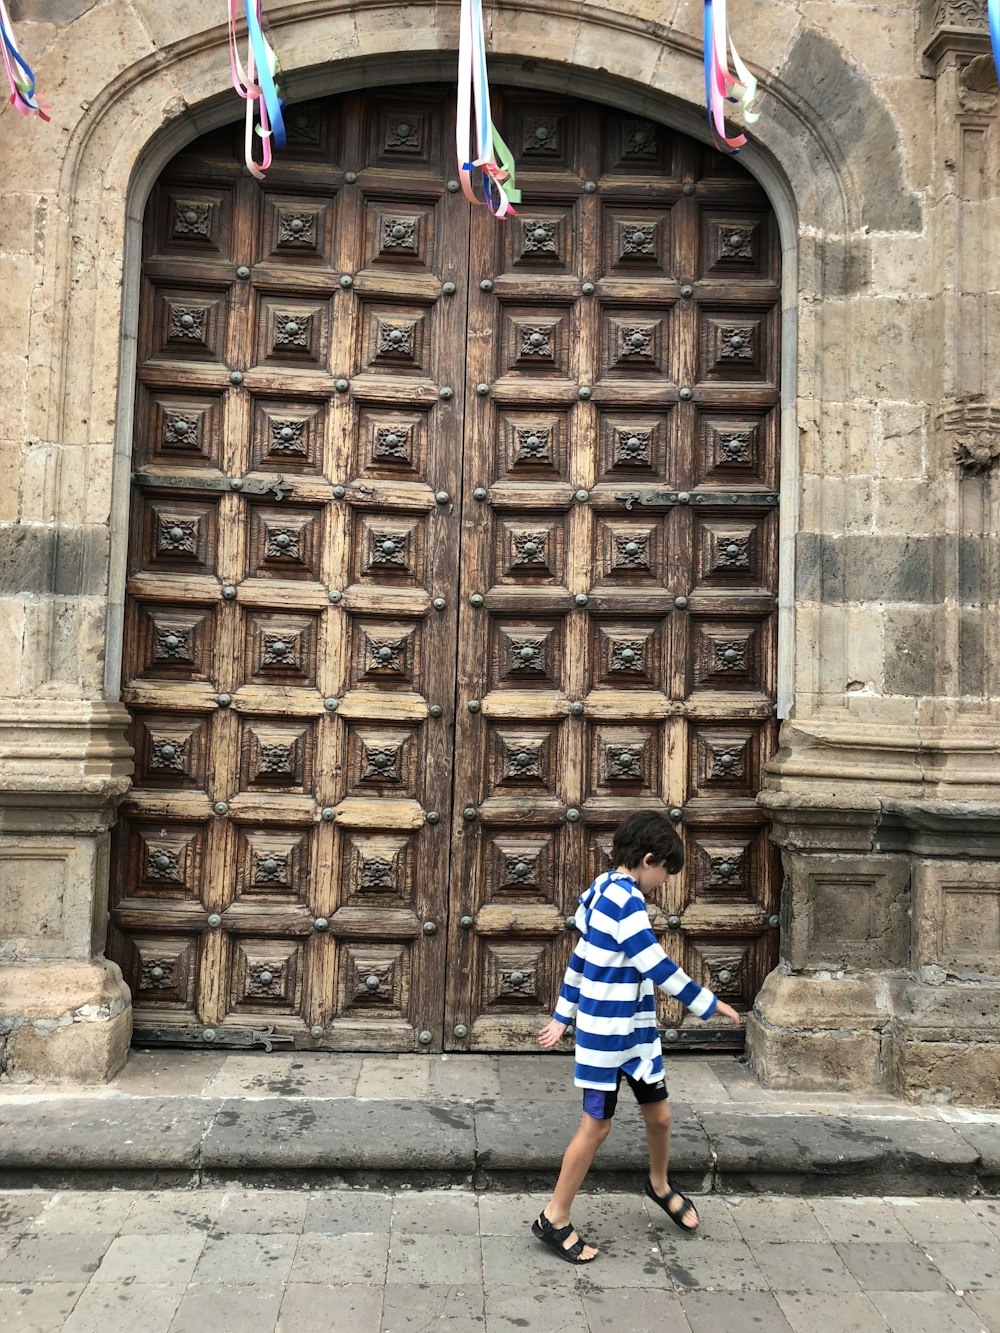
647, 832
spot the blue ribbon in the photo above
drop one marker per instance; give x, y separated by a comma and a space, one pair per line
993, 13
267, 86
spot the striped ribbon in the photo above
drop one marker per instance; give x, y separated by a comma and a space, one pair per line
493, 158
720, 85
255, 83
19, 73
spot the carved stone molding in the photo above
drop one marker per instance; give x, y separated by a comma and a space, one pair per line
953, 25
973, 430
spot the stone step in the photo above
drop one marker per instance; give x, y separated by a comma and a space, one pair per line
488, 1143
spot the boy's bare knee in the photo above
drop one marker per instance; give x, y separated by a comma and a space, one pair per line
658, 1115
598, 1129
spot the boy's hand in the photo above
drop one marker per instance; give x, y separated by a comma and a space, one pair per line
729, 1012
551, 1034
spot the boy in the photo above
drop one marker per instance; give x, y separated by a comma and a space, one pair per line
608, 989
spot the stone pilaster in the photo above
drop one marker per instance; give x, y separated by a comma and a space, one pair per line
886, 804
65, 1011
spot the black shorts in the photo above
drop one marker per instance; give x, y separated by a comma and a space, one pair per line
600, 1105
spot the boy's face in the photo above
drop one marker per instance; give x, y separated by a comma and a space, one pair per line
650, 874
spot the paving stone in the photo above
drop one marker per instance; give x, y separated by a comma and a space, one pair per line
988, 1212
523, 1255
726, 1266
555, 1309
629, 1309
263, 1260
313, 1307
613, 1216
75, 1212
55, 1257
445, 1309
890, 1266
262, 1210
969, 1265
931, 1220
174, 1212
845, 1311
538, 1077
151, 1258
304, 1074
866, 1219
471, 1077
439, 1212
120, 1308
712, 1311
346, 1135
986, 1304
695, 1080
394, 1076
447, 1259
716, 1222
214, 1307
925, 1312
168, 1073
509, 1214
333, 1212
19, 1210
625, 1263
38, 1307
357, 1257
809, 1266
777, 1219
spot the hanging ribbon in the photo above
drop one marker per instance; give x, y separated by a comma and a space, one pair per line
993, 14
19, 73
720, 85
255, 83
493, 158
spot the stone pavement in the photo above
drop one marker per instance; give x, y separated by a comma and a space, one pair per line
209, 1118
359, 1261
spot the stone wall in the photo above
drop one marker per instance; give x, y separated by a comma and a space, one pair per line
879, 145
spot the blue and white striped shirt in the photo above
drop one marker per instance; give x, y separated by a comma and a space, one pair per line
609, 986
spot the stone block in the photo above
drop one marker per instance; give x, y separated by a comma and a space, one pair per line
956, 908
823, 1154
77, 1053
846, 911
860, 124
47, 893
818, 1061
911, 641
965, 1073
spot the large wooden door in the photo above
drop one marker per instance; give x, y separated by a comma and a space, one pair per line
452, 543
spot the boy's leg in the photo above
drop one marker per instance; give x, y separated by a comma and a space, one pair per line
658, 1121
576, 1162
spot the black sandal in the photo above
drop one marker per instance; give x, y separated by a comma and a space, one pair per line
675, 1216
554, 1236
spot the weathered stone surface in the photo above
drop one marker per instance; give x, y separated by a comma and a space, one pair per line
805, 1152
73, 1136
966, 1073
78, 1053
340, 1136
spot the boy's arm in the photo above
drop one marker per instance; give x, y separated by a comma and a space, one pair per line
635, 935
569, 993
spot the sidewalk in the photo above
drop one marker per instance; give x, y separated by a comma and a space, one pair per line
180, 1118
455, 1261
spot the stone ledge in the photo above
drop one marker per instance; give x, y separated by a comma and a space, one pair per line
73, 1142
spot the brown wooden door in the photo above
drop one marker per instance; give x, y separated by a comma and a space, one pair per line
359, 411
619, 563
